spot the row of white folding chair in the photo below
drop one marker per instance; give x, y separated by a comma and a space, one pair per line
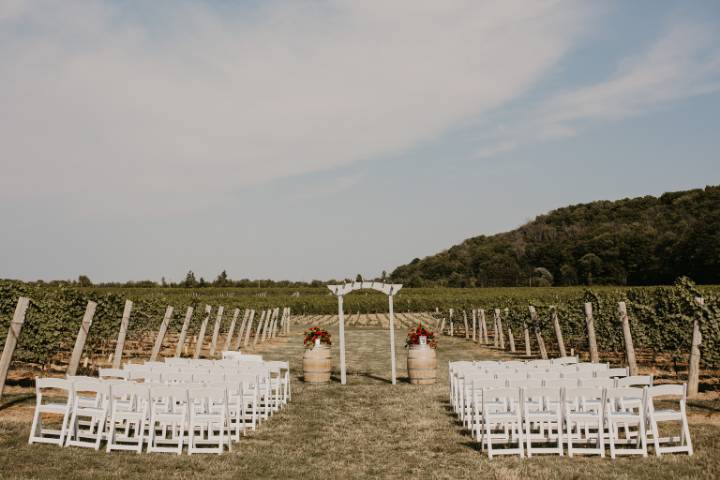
264, 397
582, 415
470, 382
158, 413
241, 356
274, 377
278, 374
505, 369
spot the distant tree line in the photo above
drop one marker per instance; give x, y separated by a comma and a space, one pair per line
192, 281
638, 241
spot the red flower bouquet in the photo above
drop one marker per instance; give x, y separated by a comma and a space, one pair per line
413, 337
316, 333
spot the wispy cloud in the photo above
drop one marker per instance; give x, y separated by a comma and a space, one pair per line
683, 63
94, 100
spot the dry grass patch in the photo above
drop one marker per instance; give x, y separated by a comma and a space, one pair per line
366, 429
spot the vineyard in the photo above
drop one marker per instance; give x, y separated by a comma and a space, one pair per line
661, 318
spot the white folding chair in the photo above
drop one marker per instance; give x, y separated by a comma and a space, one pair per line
169, 407
677, 444
475, 402
625, 408
502, 421
542, 413
469, 401
635, 381
612, 373
129, 415
560, 383
88, 416
113, 373
283, 371
583, 415
565, 360
524, 382
53, 396
177, 378
597, 382
209, 428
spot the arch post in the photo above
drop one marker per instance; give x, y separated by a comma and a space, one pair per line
341, 317
392, 338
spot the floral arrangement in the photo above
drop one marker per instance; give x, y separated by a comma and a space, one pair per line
413, 337
316, 333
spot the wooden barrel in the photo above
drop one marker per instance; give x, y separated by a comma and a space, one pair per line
317, 365
422, 364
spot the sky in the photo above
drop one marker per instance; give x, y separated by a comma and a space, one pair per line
320, 139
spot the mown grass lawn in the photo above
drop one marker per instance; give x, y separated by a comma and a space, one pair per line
366, 429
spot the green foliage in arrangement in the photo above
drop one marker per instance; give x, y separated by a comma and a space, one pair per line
636, 241
661, 317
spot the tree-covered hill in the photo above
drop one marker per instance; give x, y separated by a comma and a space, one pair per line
634, 241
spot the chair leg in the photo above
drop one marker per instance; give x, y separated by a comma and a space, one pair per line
528, 434
34, 427
611, 437
111, 434
686, 433
656, 437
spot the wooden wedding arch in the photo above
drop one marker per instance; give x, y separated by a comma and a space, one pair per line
389, 289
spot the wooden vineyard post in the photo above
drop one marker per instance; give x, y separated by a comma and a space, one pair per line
442, 326
481, 329
694, 360
161, 334
243, 325
276, 315
248, 329
261, 322
268, 324
538, 333
216, 330
11, 340
627, 335
483, 323
511, 338
592, 341
277, 330
231, 330
467, 331
474, 320
289, 320
201, 335
526, 336
558, 331
81, 337
498, 320
120, 345
183, 331
450, 320
496, 338
241, 332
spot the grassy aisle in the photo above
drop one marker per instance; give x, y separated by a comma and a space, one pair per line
366, 429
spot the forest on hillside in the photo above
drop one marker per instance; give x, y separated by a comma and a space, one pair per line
636, 241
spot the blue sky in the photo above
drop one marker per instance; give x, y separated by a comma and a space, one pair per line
310, 140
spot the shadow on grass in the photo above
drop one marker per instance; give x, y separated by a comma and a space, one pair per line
17, 400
